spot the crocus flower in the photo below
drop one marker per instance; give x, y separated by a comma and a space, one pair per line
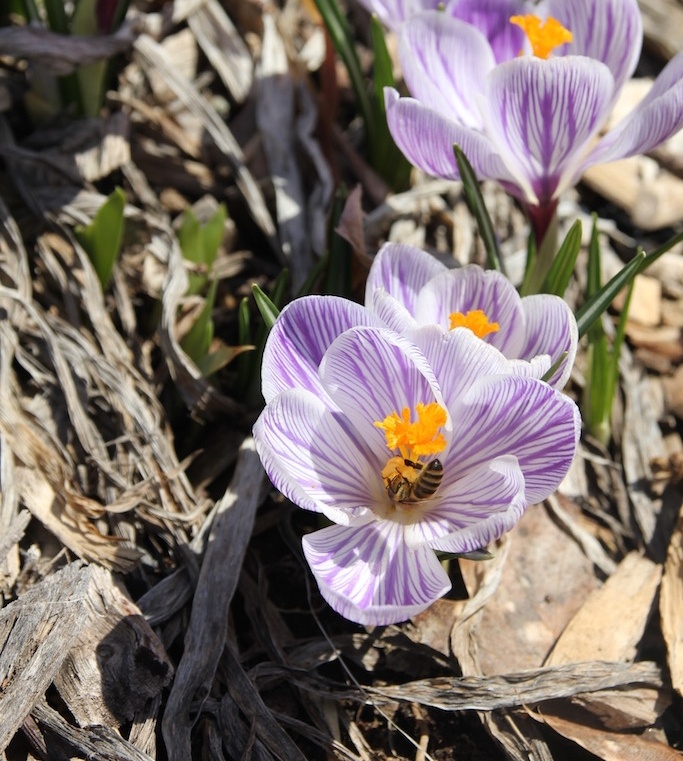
408, 288
489, 16
530, 121
358, 427
392, 13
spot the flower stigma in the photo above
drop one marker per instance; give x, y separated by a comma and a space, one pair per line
476, 320
543, 36
406, 479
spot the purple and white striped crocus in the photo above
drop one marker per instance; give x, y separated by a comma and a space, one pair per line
492, 17
529, 121
359, 427
408, 288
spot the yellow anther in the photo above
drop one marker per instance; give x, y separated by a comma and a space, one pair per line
476, 321
544, 35
415, 440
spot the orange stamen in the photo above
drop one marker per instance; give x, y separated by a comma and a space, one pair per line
544, 36
415, 440
476, 321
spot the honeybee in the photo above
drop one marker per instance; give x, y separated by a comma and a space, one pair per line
415, 481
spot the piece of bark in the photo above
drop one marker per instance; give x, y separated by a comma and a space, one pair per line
153, 58
546, 578
98, 743
645, 306
611, 746
207, 630
611, 622
653, 198
641, 442
36, 633
522, 688
224, 47
117, 664
671, 605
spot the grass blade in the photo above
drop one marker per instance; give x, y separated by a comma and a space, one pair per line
475, 202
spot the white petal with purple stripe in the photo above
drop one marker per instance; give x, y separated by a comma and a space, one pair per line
610, 31
426, 137
471, 288
370, 575
469, 503
541, 116
444, 63
517, 416
301, 335
370, 373
315, 459
402, 271
550, 329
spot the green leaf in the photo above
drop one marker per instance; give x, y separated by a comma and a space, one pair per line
561, 270
385, 156
244, 364
57, 19
343, 41
101, 239
269, 312
475, 202
200, 243
594, 307
217, 360
212, 235
383, 71
190, 237
197, 340
481, 554
529, 266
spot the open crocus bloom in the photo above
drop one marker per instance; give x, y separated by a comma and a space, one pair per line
359, 427
408, 288
528, 121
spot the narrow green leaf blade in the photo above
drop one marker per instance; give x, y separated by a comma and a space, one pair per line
557, 279
591, 311
475, 202
269, 312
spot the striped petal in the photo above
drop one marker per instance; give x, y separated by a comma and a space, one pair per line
655, 119
471, 288
426, 137
392, 13
370, 373
315, 460
402, 271
459, 360
301, 335
550, 330
517, 416
481, 507
610, 31
492, 18
474, 510
392, 313
369, 575
541, 116
444, 63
